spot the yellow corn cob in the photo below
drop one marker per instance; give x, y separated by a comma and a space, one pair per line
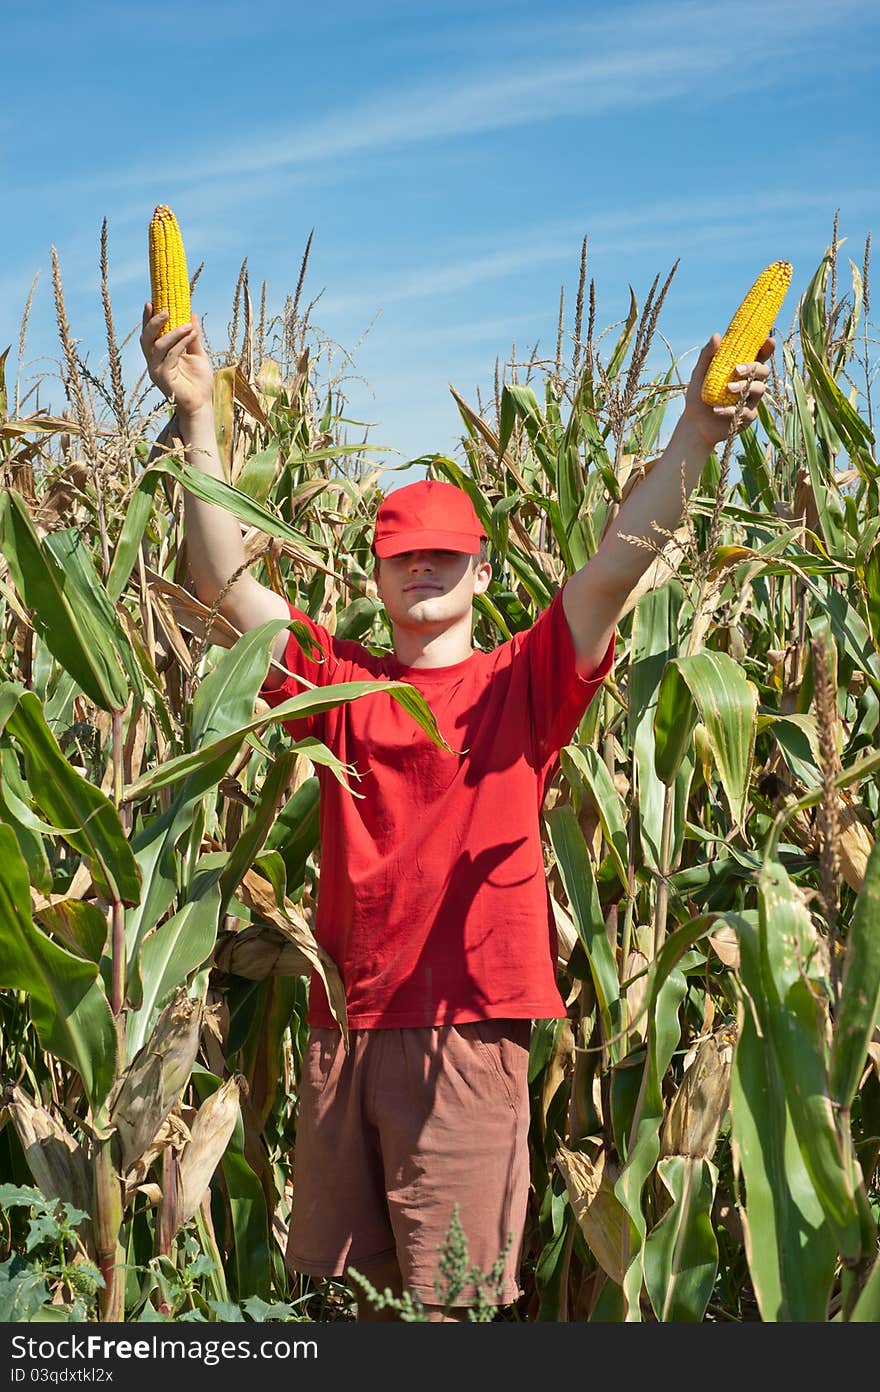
169, 282
746, 332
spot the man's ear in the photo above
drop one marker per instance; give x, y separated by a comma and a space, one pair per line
482, 577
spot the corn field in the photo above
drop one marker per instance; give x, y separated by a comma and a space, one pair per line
706, 1119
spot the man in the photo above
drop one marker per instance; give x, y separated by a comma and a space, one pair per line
432, 898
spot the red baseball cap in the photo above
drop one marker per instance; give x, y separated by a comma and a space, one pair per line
427, 515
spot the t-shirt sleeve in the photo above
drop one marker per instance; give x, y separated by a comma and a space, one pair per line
559, 693
317, 664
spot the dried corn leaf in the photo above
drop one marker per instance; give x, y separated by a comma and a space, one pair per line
600, 1214
248, 398
191, 614
560, 1064
854, 842
662, 568
170, 629
566, 933
725, 944
636, 994
257, 894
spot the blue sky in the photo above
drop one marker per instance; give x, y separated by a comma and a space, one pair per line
450, 158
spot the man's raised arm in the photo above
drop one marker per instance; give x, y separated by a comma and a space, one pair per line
180, 367
595, 595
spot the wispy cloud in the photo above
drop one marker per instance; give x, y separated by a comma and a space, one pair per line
635, 56
689, 224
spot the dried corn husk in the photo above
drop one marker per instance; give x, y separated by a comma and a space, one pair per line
210, 1132
55, 1158
602, 1218
157, 1076
695, 1113
173, 1132
259, 951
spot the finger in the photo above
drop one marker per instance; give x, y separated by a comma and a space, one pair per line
708, 353
756, 387
171, 339
197, 347
154, 326
758, 371
177, 349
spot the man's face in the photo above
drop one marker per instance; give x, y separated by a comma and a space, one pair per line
429, 590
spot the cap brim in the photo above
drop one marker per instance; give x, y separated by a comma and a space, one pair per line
427, 541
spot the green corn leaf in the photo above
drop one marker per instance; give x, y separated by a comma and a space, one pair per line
225, 698
644, 1141
297, 708
137, 515
527, 408
666, 989
257, 474
221, 713
576, 870
621, 347
169, 956
13, 792
212, 490
569, 473
712, 686
91, 604
825, 492
854, 433
294, 833
356, 619
867, 1307
681, 1251
68, 1005
80, 926
80, 812
258, 825
75, 637
790, 1247
606, 800
795, 1026
654, 643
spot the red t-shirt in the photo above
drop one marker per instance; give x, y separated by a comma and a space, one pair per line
432, 898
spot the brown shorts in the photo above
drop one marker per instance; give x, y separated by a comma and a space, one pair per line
390, 1136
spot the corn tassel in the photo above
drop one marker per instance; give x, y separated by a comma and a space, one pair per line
746, 332
169, 281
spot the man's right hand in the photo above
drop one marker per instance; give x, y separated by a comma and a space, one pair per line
177, 362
